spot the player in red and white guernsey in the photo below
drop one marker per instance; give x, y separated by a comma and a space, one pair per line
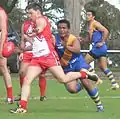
44, 57
3, 60
26, 57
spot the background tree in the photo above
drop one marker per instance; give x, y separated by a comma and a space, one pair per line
109, 16
8, 5
16, 17
72, 11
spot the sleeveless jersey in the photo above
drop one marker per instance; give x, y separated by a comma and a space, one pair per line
95, 35
43, 43
66, 56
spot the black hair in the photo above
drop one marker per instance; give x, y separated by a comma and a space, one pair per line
64, 21
34, 6
92, 11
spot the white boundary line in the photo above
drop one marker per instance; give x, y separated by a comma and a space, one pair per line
108, 51
70, 98
77, 98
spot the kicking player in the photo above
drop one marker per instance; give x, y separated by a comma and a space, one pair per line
68, 49
26, 57
44, 57
98, 35
3, 60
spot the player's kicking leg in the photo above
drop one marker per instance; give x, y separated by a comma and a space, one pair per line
57, 71
33, 72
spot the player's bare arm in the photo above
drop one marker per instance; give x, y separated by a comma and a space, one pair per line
22, 43
75, 48
54, 40
105, 32
40, 25
3, 29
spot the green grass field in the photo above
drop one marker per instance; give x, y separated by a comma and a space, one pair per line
62, 105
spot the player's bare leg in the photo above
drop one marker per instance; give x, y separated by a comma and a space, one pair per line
22, 73
73, 86
7, 79
32, 73
57, 71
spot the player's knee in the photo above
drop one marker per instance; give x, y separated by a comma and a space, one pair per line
22, 72
103, 68
71, 90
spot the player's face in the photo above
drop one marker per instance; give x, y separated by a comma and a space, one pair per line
32, 14
90, 16
63, 30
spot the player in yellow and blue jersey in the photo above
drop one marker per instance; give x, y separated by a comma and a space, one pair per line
98, 35
68, 49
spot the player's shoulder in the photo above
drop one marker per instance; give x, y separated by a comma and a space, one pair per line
72, 36
96, 22
93, 25
71, 39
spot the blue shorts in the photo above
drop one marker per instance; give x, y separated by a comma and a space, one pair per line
77, 65
96, 53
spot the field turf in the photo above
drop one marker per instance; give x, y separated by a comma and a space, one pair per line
62, 105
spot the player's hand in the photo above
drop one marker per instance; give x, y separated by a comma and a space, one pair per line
18, 50
100, 44
21, 56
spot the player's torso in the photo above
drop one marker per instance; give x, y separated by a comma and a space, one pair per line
42, 43
66, 56
96, 35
